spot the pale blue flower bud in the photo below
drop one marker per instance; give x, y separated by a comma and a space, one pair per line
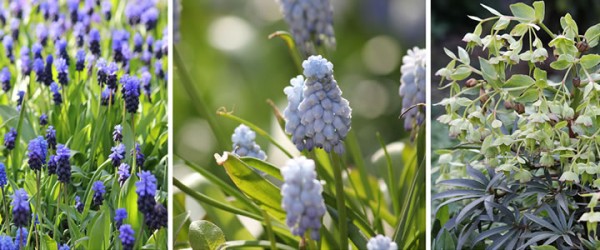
412, 86
311, 23
381, 242
244, 145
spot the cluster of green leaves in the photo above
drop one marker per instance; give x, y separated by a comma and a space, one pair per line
252, 189
535, 134
86, 127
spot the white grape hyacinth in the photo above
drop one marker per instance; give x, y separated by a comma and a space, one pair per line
412, 86
381, 242
243, 143
317, 115
302, 198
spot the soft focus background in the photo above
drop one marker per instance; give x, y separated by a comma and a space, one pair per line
225, 48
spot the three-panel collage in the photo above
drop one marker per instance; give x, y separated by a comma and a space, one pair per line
299, 124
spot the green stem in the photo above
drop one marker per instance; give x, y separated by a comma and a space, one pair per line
341, 204
37, 210
552, 35
269, 229
391, 183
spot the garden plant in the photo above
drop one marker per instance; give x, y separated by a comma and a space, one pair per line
327, 194
84, 124
523, 109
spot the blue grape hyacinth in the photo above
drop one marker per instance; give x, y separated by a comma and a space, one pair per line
80, 60
21, 211
131, 94
94, 41
6, 242
317, 116
37, 151
64, 247
43, 120
78, 204
381, 242
9, 139
25, 61
56, 95
5, 79
120, 215
48, 75
107, 96
51, 137
412, 86
99, 191
63, 162
244, 145
21, 238
111, 75
146, 189
127, 236
311, 23
118, 133
3, 179
302, 199
52, 164
123, 172
117, 154
158, 218
140, 158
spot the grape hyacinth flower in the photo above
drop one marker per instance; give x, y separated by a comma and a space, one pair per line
14, 28
78, 204
25, 61
381, 242
101, 66
20, 97
158, 70
36, 49
99, 191
80, 60
5, 79
48, 75
94, 42
145, 79
7, 41
308, 20
73, 6
105, 97
243, 143
6, 242
127, 236
37, 151
139, 156
120, 215
111, 75
149, 18
41, 32
62, 51
138, 42
302, 198
123, 173
38, 68
64, 247
56, 96
157, 219
146, 57
63, 71
146, 189
21, 211
63, 162
9, 139
52, 164
118, 133
158, 52
412, 87
317, 115
21, 238
43, 120
131, 94
106, 9
3, 180
117, 154
51, 137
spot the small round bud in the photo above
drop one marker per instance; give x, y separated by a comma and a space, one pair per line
471, 83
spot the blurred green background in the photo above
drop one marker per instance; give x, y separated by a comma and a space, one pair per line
233, 64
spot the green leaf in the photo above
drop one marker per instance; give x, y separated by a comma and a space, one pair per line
589, 61
491, 10
488, 70
252, 184
530, 95
205, 235
99, 231
464, 56
563, 62
592, 34
245, 244
523, 11
540, 9
502, 23
446, 242
461, 73
547, 247
263, 166
179, 221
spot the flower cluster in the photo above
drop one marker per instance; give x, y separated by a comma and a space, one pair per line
120, 215
244, 145
123, 171
63, 163
317, 115
412, 87
9, 139
37, 151
311, 23
99, 191
117, 154
21, 211
381, 242
155, 214
302, 198
127, 236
